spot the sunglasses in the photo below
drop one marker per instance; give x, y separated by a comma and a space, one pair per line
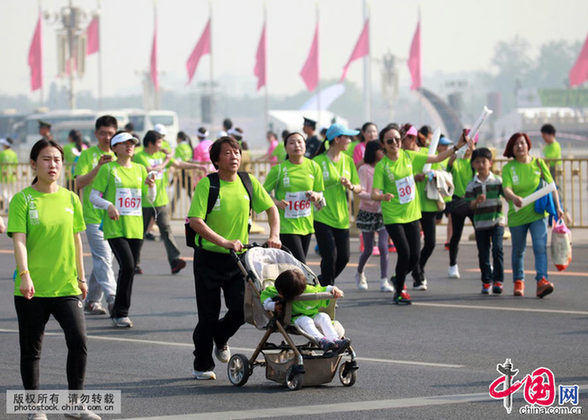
393, 140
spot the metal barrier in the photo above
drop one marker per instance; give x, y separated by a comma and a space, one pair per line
571, 177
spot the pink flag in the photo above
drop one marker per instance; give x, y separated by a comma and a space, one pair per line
259, 70
310, 70
36, 58
201, 48
93, 36
154, 78
362, 48
579, 72
414, 59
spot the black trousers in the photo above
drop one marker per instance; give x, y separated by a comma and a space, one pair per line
127, 253
214, 271
457, 222
297, 244
430, 236
32, 316
333, 244
407, 238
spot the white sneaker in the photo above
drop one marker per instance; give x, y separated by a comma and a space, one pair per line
36, 416
94, 308
122, 322
203, 375
385, 286
361, 281
84, 415
453, 272
223, 354
420, 286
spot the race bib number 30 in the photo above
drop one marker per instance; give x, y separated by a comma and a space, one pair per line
405, 188
128, 201
298, 205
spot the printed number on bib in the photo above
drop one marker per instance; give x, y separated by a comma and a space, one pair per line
128, 201
405, 188
298, 205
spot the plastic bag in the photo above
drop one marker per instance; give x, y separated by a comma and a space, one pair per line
561, 245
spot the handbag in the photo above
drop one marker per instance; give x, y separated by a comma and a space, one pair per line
545, 203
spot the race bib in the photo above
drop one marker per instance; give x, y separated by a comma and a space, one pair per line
128, 201
298, 205
405, 188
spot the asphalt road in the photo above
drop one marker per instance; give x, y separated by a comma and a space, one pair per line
434, 359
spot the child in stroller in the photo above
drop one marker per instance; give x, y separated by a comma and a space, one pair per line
305, 314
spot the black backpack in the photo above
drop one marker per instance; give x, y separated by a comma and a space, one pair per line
213, 192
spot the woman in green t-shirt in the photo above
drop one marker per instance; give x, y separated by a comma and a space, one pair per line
520, 178
117, 189
45, 221
331, 223
297, 183
72, 152
394, 184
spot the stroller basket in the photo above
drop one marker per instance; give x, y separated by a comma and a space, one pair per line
317, 370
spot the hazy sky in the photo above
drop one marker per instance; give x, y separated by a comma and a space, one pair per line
457, 35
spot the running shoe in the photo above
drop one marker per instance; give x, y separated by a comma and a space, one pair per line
94, 308
385, 286
203, 375
453, 272
138, 270
486, 287
361, 281
122, 322
149, 236
83, 415
497, 288
327, 345
342, 345
223, 354
420, 285
402, 298
544, 287
178, 265
446, 246
519, 288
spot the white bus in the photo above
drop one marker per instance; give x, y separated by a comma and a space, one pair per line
144, 121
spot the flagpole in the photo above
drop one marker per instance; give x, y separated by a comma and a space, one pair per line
99, 56
155, 88
421, 70
367, 69
41, 91
265, 117
211, 67
318, 59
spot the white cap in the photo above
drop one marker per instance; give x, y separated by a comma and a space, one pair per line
122, 138
160, 128
5, 142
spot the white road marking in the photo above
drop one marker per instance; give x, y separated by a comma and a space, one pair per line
248, 350
501, 308
343, 407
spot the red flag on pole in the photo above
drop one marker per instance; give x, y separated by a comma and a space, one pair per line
201, 48
579, 72
362, 48
414, 59
93, 37
154, 78
310, 70
36, 57
259, 69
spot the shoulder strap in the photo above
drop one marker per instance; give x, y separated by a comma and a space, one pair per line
246, 180
538, 163
213, 191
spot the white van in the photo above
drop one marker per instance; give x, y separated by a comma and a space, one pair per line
146, 120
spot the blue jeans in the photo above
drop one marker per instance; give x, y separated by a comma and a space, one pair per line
102, 279
485, 239
538, 231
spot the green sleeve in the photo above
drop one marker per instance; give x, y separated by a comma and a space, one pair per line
141, 159
353, 171
378, 182
546, 174
319, 184
506, 176
261, 199
101, 181
82, 167
272, 178
199, 203
79, 224
17, 215
268, 292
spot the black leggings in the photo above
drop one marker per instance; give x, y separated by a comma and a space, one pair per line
457, 222
430, 233
407, 238
297, 244
32, 316
127, 253
333, 245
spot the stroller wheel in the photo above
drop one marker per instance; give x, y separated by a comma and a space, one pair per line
238, 369
347, 374
293, 379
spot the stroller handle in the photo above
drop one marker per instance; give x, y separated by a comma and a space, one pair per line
314, 296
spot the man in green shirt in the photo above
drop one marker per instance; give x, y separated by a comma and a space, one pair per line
102, 281
552, 149
222, 229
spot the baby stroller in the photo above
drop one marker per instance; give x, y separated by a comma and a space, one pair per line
287, 363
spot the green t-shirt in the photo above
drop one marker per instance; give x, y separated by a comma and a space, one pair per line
351, 148
396, 177
161, 181
523, 179
184, 152
336, 212
290, 182
426, 204
50, 222
70, 154
123, 188
552, 151
8, 167
87, 161
303, 307
230, 215
280, 152
462, 175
